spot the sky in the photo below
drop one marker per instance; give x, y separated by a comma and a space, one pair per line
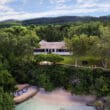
26, 9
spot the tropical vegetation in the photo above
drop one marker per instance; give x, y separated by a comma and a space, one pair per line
89, 40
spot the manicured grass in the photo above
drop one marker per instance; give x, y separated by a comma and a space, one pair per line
68, 60
90, 59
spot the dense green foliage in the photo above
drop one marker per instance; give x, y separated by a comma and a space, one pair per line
85, 44
7, 84
6, 101
17, 44
49, 57
77, 80
19, 65
52, 33
10, 23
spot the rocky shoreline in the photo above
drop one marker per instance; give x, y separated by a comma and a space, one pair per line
24, 92
102, 103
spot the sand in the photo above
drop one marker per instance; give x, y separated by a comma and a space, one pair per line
61, 97
57, 97
31, 92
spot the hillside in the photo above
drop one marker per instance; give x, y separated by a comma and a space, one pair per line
54, 20
65, 19
9, 23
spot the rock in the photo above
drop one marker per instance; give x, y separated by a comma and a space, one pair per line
91, 103
99, 105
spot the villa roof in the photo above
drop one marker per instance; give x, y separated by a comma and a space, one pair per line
52, 45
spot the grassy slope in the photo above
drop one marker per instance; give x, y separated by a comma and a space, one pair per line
91, 60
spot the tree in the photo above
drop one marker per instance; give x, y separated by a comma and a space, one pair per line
90, 29
49, 57
17, 46
54, 58
101, 86
6, 100
51, 33
40, 58
102, 48
17, 43
7, 87
80, 45
7, 82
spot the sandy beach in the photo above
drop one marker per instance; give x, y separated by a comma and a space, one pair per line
31, 92
61, 97
58, 99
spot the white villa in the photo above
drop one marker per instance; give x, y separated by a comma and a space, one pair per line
52, 47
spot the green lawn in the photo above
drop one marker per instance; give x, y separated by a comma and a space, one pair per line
68, 60
90, 59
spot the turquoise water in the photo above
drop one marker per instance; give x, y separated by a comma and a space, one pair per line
33, 104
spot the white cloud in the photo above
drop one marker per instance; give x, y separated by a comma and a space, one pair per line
59, 1
3, 6
25, 15
86, 1
2, 2
60, 4
60, 8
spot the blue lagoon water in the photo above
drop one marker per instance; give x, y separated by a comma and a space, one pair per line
31, 105
38, 103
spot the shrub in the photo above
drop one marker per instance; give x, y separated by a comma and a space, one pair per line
6, 101
54, 58
40, 58
49, 57
75, 79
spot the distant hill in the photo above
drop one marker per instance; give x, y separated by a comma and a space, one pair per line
65, 19
105, 18
9, 23
54, 20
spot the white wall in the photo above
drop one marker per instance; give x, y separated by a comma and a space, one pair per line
59, 53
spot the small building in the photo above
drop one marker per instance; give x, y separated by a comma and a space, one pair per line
52, 47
